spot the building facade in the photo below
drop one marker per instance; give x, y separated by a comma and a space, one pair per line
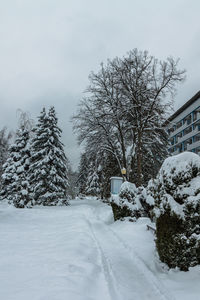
184, 127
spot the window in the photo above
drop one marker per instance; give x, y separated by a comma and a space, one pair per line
179, 148
184, 146
196, 138
197, 126
189, 120
178, 125
190, 141
179, 135
197, 150
187, 130
194, 116
170, 130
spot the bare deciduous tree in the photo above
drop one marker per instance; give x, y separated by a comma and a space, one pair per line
127, 102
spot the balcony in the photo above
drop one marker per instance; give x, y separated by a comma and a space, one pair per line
185, 125
187, 136
197, 116
193, 145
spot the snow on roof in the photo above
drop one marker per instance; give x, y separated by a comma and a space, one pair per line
183, 107
117, 178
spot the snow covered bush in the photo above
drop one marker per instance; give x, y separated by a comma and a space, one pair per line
131, 202
146, 197
177, 211
124, 205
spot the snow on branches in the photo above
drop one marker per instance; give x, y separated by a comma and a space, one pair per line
36, 171
124, 111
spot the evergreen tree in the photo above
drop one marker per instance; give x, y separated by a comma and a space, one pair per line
15, 186
83, 173
49, 165
7, 186
22, 198
93, 182
72, 189
96, 168
37, 169
4, 148
93, 179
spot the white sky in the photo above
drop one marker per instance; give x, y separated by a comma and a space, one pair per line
49, 47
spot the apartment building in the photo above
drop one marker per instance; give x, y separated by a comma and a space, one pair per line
184, 127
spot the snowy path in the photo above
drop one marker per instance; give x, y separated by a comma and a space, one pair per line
69, 253
127, 276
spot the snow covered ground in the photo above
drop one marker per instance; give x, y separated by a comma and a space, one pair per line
78, 253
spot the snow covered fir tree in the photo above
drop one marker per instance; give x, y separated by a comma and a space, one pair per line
36, 170
95, 169
15, 186
4, 148
48, 173
82, 173
93, 181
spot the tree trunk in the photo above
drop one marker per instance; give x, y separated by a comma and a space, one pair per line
124, 164
139, 161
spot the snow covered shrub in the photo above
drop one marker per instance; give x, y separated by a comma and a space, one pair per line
177, 207
127, 203
128, 191
146, 198
133, 202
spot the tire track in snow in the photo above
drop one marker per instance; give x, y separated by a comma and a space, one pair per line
145, 269
106, 267
136, 268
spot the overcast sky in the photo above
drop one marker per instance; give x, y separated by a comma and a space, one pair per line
49, 47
